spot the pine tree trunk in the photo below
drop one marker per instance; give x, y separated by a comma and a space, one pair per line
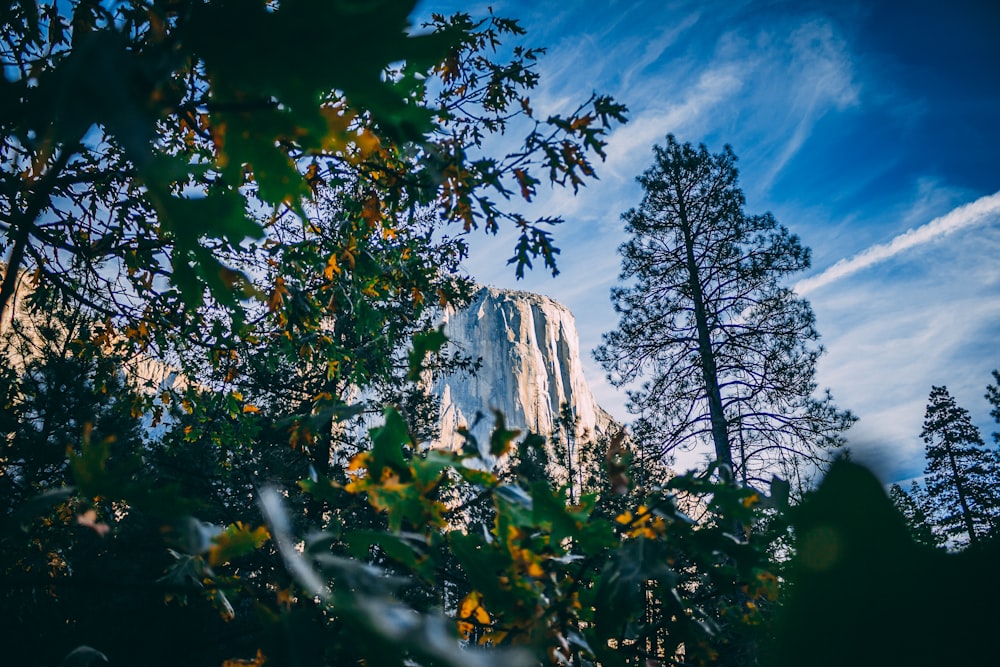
970, 526
720, 435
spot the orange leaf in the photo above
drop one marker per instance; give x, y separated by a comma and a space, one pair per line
257, 661
278, 295
471, 607
332, 268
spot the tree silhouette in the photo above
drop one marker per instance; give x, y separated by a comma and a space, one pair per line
993, 396
911, 505
961, 473
726, 351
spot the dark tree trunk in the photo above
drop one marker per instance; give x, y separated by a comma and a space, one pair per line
720, 430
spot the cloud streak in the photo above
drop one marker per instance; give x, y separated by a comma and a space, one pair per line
959, 218
823, 71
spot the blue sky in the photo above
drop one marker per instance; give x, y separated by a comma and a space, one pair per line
868, 128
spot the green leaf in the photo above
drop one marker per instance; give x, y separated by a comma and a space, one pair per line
387, 444
322, 488
620, 587
90, 466
427, 469
501, 437
482, 478
480, 562
408, 549
596, 534
424, 343
549, 510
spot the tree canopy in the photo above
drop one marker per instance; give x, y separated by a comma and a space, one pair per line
145, 143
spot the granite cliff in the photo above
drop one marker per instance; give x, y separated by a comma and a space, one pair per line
530, 354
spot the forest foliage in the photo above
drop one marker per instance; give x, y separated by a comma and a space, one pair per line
223, 265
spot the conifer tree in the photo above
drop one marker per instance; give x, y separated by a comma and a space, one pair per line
961, 473
727, 353
993, 396
911, 506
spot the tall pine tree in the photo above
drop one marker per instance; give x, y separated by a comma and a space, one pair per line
912, 506
726, 352
993, 396
961, 474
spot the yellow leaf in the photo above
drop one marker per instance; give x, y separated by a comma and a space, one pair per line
581, 122
390, 481
237, 540
250, 409
526, 182
338, 121
494, 637
349, 252
367, 143
471, 607
371, 211
332, 268
359, 461
219, 139
313, 177
285, 598
356, 485
482, 616
257, 661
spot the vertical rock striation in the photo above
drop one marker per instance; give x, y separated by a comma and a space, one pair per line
530, 354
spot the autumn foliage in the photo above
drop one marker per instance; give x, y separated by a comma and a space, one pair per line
229, 228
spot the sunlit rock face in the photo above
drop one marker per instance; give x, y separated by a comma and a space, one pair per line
530, 354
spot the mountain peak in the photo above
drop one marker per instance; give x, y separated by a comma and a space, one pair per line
530, 353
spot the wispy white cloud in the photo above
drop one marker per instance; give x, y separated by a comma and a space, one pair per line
883, 366
653, 50
889, 340
713, 87
959, 218
821, 78
629, 152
